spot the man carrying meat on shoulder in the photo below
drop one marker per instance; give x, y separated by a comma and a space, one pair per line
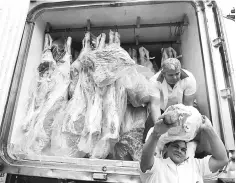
175, 85
175, 166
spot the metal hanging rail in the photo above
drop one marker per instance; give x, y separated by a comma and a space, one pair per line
150, 43
174, 24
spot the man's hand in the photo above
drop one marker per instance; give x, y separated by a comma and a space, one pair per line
206, 123
160, 127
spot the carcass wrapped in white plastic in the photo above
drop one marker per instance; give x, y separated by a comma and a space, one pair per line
37, 138
187, 120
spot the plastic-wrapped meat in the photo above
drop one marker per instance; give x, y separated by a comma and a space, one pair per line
145, 59
76, 65
135, 55
74, 119
58, 49
135, 117
187, 120
108, 63
92, 128
130, 144
93, 94
110, 133
114, 106
168, 53
64, 144
40, 85
39, 137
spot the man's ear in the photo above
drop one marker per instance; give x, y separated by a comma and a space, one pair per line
164, 152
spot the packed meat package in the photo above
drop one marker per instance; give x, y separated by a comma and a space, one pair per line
187, 121
37, 130
130, 144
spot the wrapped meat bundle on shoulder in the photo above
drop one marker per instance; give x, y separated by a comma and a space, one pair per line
187, 121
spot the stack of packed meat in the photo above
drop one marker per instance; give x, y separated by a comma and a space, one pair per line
79, 109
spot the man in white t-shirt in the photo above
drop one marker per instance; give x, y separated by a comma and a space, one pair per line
176, 85
175, 166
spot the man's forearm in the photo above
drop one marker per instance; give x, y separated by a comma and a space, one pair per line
149, 148
217, 147
155, 109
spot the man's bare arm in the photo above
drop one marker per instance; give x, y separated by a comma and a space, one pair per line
155, 108
147, 158
219, 156
189, 99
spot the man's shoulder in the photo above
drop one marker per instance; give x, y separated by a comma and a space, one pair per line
188, 74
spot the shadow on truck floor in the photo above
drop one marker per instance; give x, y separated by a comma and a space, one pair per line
30, 179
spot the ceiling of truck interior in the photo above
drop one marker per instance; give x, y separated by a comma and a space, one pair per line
121, 15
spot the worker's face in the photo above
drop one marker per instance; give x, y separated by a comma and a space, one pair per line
176, 151
172, 76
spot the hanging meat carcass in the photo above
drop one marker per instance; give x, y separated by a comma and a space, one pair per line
69, 126
135, 55
130, 144
93, 94
38, 91
37, 139
145, 59
168, 53
76, 65
114, 106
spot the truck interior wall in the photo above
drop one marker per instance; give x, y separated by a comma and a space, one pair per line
189, 48
33, 60
192, 59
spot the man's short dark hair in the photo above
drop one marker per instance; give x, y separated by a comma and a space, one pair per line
167, 144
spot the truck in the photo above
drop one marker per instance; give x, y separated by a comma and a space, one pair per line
195, 29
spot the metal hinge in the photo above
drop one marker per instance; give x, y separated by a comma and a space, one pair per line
225, 93
99, 176
217, 42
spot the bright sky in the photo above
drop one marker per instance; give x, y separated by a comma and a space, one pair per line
226, 5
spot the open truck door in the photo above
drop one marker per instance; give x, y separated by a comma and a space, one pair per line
12, 20
219, 71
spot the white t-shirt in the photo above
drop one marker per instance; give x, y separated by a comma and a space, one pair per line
191, 170
170, 96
